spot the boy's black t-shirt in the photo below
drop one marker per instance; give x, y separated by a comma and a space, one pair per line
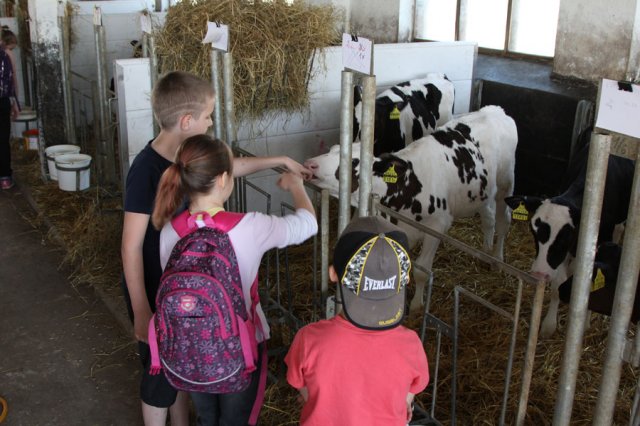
141, 187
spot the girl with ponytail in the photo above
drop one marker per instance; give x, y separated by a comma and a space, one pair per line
202, 175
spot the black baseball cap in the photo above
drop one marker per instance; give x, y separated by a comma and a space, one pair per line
371, 259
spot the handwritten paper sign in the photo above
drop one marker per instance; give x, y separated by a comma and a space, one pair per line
619, 108
145, 23
97, 16
217, 35
356, 53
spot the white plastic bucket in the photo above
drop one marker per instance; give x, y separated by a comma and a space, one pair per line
73, 171
53, 151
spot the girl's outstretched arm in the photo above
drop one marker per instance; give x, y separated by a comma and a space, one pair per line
243, 166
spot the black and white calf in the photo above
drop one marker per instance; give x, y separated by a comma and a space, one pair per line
406, 112
555, 223
465, 167
603, 282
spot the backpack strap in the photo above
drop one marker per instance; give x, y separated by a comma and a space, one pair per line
153, 346
185, 222
262, 381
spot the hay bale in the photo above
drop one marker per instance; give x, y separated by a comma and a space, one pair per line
273, 44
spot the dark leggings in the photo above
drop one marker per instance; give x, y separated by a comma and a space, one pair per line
230, 409
5, 136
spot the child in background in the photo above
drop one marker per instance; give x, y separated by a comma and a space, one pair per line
362, 367
9, 108
182, 104
203, 173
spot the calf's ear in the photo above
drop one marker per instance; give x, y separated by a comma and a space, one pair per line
531, 203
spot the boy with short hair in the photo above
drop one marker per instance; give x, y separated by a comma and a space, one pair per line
362, 367
182, 104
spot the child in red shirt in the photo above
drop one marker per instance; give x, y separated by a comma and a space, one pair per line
362, 367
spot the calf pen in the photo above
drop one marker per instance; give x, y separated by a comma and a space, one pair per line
483, 339
488, 368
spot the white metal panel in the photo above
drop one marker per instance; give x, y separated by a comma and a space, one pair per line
139, 130
135, 82
135, 119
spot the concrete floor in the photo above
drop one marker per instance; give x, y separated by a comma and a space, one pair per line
65, 360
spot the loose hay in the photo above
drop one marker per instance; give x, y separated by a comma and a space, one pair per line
92, 243
271, 43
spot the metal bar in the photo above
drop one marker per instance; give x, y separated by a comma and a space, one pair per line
227, 76
636, 345
512, 348
366, 144
436, 374
95, 105
623, 300
153, 73
218, 126
530, 353
324, 245
484, 303
471, 251
26, 78
589, 225
145, 45
229, 115
106, 157
346, 138
454, 364
69, 122
635, 414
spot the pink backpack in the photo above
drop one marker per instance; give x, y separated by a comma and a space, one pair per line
201, 335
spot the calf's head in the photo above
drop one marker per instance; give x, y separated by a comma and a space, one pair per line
325, 169
554, 228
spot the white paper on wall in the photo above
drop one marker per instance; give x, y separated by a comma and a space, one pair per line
619, 108
97, 16
356, 53
145, 23
217, 35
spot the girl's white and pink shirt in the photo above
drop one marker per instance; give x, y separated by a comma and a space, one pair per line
253, 236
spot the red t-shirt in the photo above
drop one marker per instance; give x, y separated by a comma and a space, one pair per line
356, 376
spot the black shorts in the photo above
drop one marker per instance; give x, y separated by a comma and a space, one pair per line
155, 390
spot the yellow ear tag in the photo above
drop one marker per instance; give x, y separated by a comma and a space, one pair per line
520, 213
390, 176
598, 281
395, 114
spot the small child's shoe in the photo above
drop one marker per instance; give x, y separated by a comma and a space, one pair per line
6, 182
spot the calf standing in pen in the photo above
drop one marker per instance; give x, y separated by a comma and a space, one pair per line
603, 282
554, 223
407, 111
465, 167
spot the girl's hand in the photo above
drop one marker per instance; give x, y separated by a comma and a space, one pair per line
289, 180
297, 168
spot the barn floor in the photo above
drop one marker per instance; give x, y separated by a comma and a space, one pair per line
65, 359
